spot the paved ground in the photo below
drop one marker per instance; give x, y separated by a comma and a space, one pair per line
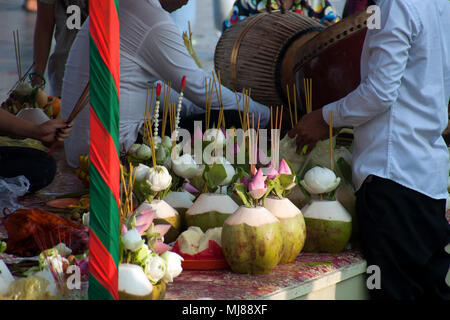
13, 17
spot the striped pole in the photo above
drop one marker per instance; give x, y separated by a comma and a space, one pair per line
104, 149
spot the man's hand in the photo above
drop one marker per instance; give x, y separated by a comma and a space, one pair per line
53, 130
310, 129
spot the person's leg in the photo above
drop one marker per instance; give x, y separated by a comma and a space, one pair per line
35, 165
400, 231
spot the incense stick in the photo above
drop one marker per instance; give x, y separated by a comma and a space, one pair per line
289, 104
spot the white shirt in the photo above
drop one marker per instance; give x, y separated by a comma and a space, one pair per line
151, 50
399, 110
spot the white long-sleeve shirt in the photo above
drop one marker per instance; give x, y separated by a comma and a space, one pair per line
151, 50
399, 110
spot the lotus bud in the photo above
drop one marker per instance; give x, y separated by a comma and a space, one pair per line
141, 172
134, 148
157, 140
144, 220
132, 240
161, 153
284, 168
144, 152
320, 180
173, 263
159, 178
210, 135
155, 268
270, 172
167, 142
256, 187
185, 166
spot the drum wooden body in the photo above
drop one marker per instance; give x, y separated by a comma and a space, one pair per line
259, 53
332, 60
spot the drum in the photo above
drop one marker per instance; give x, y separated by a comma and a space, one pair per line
332, 60
259, 53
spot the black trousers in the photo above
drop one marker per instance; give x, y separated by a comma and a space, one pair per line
34, 164
404, 233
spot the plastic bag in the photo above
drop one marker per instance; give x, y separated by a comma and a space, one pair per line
10, 190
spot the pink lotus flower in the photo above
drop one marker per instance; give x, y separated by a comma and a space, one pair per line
257, 187
271, 172
144, 220
161, 229
284, 168
160, 247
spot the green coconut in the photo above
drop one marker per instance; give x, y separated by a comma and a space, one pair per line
180, 201
329, 226
165, 214
292, 225
252, 242
133, 283
210, 210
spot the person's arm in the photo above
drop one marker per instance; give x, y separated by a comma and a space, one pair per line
165, 56
388, 52
45, 132
43, 35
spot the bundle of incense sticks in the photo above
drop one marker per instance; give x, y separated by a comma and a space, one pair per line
126, 192
253, 142
148, 118
308, 94
275, 135
293, 116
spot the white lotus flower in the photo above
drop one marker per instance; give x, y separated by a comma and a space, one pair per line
211, 134
185, 166
173, 263
132, 240
159, 178
155, 268
144, 152
320, 180
141, 172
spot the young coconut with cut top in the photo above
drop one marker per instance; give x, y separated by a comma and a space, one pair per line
328, 223
291, 218
252, 240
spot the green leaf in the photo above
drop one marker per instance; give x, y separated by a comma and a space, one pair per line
2, 246
121, 249
214, 175
241, 190
306, 193
345, 169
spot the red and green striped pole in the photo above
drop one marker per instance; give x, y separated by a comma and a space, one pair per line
104, 149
